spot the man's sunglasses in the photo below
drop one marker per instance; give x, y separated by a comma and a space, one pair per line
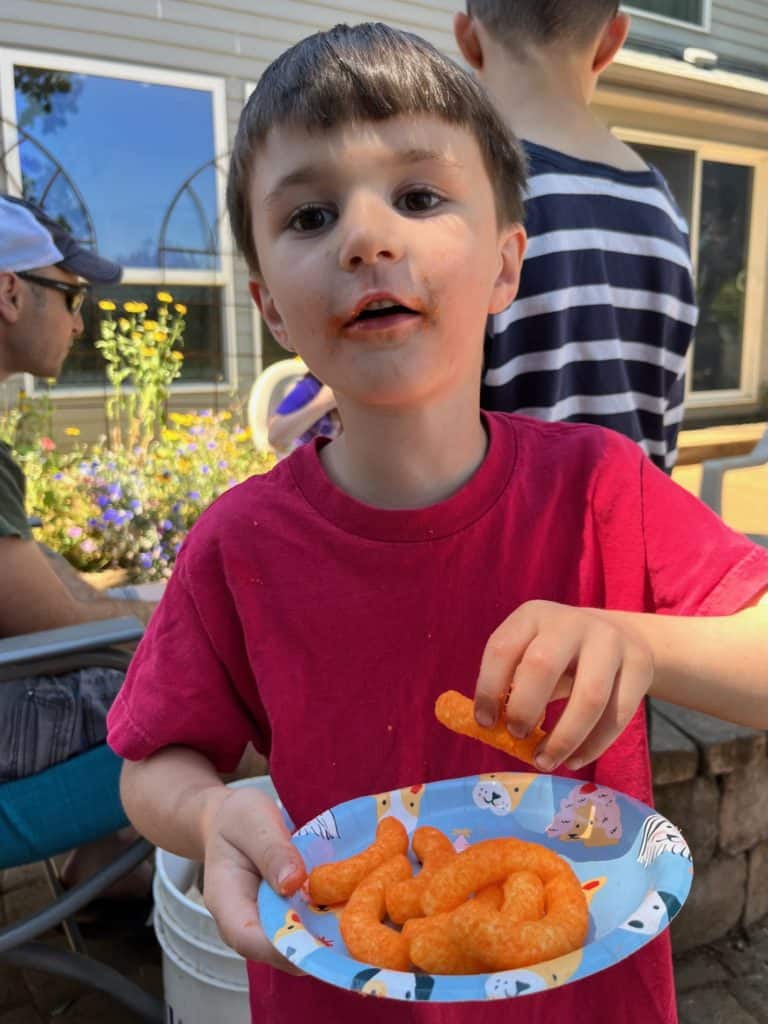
75, 294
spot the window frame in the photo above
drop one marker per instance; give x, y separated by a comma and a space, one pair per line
705, 26
222, 278
705, 150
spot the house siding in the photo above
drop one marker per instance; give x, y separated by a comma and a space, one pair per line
738, 34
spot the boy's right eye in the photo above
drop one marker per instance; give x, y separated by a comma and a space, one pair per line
310, 218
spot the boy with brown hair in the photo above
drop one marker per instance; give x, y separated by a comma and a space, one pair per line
604, 317
318, 611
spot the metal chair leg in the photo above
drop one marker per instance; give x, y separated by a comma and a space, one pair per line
72, 932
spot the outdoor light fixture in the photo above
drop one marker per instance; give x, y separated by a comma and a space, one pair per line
700, 58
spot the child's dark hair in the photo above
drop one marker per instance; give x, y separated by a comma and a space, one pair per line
368, 72
515, 23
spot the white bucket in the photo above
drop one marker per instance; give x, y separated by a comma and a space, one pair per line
204, 981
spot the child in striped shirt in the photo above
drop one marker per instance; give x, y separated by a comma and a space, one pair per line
606, 310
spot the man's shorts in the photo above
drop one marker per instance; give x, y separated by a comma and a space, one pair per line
48, 719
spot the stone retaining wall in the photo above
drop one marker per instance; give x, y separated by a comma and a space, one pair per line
711, 780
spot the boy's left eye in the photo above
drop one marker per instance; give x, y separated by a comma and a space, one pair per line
418, 201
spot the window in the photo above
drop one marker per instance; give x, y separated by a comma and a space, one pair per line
689, 12
127, 158
719, 189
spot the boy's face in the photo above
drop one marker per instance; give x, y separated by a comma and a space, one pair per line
381, 257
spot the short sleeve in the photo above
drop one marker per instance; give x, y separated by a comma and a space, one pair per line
696, 564
182, 689
13, 516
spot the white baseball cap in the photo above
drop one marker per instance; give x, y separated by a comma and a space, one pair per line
24, 243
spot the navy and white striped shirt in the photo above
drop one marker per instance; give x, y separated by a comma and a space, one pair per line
606, 309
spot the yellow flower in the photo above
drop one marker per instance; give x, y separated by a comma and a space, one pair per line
147, 351
161, 335
225, 416
177, 356
150, 325
72, 431
135, 307
105, 304
164, 297
181, 309
171, 435
243, 435
123, 324
136, 336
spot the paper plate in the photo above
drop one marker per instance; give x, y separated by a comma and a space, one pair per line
634, 866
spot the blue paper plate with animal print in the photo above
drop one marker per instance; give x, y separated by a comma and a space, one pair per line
634, 867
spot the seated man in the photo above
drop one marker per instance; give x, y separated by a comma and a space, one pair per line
44, 720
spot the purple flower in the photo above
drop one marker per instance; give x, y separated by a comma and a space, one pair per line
145, 560
166, 524
193, 495
191, 447
205, 470
111, 515
102, 500
223, 463
135, 504
211, 446
58, 476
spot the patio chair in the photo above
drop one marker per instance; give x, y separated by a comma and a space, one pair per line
65, 806
268, 390
714, 470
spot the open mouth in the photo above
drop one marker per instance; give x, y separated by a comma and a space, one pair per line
381, 310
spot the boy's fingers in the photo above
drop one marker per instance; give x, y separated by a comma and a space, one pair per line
536, 678
502, 653
632, 684
592, 691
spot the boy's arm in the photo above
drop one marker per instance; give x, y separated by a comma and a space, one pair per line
605, 662
176, 799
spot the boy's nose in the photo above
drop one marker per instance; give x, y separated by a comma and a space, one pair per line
370, 235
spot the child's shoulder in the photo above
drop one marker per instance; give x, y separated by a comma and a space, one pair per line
546, 159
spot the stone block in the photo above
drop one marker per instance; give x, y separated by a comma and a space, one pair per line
693, 807
744, 807
756, 906
714, 906
750, 993
698, 968
674, 757
713, 1005
723, 747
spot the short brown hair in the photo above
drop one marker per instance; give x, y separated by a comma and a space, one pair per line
515, 23
368, 72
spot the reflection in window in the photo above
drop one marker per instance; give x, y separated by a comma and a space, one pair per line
129, 147
677, 166
681, 10
723, 249
203, 360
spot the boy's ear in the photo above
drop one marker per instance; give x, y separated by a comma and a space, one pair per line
610, 41
274, 321
468, 41
512, 250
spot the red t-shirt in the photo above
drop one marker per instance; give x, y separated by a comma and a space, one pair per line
322, 630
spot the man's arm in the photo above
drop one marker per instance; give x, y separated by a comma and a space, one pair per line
32, 597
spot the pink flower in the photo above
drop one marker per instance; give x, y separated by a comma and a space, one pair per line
74, 531
47, 444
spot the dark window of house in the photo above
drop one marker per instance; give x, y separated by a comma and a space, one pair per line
681, 10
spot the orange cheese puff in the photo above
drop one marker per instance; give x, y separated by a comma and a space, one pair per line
523, 897
455, 711
366, 938
335, 882
506, 944
434, 948
491, 860
433, 849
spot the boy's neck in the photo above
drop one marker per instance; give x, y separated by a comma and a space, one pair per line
547, 101
396, 460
